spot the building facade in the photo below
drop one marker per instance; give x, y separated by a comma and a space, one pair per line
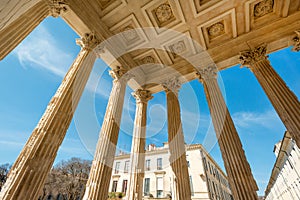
284, 183
207, 180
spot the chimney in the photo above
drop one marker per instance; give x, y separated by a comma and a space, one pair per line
151, 147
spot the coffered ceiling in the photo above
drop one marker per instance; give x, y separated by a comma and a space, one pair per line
162, 38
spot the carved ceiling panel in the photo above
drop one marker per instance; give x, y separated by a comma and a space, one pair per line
181, 46
149, 61
220, 29
260, 12
200, 7
107, 6
163, 14
211, 23
130, 32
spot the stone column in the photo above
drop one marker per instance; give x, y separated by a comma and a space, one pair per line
12, 9
14, 33
296, 41
137, 159
176, 142
282, 98
242, 183
100, 174
27, 176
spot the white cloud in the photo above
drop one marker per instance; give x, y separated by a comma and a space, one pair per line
11, 143
41, 50
268, 119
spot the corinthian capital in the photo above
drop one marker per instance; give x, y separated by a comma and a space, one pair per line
88, 41
172, 85
142, 96
207, 73
296, 41
250, 57
57, 7
120, 74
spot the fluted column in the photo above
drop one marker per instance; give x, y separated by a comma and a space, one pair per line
31, 168
282, 98
242, 183
11, 35
176, 142
137, 158
100, 174
296, 41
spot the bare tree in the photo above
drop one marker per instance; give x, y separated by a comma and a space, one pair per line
4, 169
67, 180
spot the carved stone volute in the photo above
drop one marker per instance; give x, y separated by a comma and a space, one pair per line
250, 57
172, 85
120, 74
209, 72
57, 7
296, 41
142, 96
89, 41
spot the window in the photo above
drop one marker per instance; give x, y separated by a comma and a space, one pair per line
117, 167
209, 168
147, 187
159, 187
159, 163
159, 193
126, 167
124, 187
214, 189
147, 165
114, 186
191, 185
205, 164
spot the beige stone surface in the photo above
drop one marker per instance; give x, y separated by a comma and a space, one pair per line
178, 162
282, 98
215, 25
241, 180
27, 175
188, 36
98, 182
137, 158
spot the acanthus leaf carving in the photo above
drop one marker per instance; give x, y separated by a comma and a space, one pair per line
172, 85
207, 73
264, 7
164, 14
120, 74
142, 96
296, 41
250, 57
88, 41
57, 7
216, 30
147, 60
178, 48
129, 33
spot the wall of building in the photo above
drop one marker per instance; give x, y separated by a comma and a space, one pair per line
284, 182
162, 179
216, 180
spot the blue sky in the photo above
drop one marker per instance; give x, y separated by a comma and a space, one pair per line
31, 74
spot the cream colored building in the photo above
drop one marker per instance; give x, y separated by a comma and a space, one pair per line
154, 46
284, 183
207, 180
